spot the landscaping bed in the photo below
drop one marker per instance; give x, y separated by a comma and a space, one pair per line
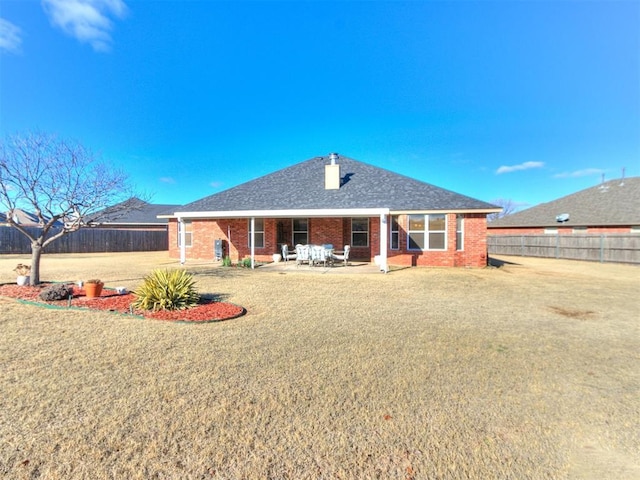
110, 300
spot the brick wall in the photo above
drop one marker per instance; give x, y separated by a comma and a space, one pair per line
474, 253
336, 231
328, 231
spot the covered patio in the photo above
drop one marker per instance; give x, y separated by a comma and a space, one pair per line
260, 235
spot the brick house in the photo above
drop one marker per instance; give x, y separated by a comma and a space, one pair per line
609, 208
382, 215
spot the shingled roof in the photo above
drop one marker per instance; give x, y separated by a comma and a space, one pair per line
136, 212
613, 203
302, 187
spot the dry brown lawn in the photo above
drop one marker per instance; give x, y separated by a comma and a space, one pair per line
526, 371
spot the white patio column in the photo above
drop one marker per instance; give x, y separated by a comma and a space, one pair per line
183, 240
384, 236
253, 241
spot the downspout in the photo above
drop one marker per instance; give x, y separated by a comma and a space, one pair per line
384, 232
253, 241
183, 239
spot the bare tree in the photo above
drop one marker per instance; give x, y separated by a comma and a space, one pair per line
61, 183
508, 207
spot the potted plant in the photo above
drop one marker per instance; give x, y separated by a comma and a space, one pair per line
23, 272
93, 287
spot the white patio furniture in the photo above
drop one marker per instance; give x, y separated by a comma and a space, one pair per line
286, 255
344, 257
302, 254
320, 254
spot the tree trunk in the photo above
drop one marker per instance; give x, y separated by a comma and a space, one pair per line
36, 253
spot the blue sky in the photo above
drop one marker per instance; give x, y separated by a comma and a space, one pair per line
526, 101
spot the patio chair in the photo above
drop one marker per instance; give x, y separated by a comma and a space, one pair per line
302, 254
318, 255
286, 256
343, 257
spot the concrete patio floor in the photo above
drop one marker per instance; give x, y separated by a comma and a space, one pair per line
338, 267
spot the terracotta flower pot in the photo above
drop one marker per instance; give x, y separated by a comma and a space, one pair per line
93, 289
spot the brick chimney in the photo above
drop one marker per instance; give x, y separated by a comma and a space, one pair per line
332, 173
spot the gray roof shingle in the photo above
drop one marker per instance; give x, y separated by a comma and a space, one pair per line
616, 202
301, 186
139, 213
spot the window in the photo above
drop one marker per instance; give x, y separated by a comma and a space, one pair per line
437, 231
300, 231
551, 231
394, 241
459, 232
359, 232
258, 231
427, 232
416, 232
188, 233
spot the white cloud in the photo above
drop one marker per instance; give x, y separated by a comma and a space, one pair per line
167, 180
10, 39
87, 20
216, 184
580, 173
522, 166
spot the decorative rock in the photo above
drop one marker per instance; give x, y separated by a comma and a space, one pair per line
55, 292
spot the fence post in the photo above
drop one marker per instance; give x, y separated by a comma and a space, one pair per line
602, 247
522, 245
557, 245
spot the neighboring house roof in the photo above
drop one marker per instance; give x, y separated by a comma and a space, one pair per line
21, 217
616, 202
362, 186
139, 213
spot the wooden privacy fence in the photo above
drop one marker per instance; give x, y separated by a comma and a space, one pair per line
616, 248
89, 240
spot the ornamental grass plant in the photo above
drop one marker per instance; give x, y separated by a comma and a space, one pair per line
169, 289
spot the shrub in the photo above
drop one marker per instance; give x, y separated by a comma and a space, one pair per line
226, 261
55, 292
22, 269
166, 290
246, 262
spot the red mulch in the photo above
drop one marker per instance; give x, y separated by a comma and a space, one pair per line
205, 311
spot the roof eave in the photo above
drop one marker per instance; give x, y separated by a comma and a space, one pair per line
323, 212
320, 212
446, 210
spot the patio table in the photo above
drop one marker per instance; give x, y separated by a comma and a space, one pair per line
320, 254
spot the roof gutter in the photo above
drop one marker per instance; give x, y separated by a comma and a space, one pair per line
326, 212
448, 210
322, 212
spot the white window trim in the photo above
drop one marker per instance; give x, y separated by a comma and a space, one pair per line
426, 232
392, 231
188, 233
256, 232
294, 231
460, 248
368, 232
